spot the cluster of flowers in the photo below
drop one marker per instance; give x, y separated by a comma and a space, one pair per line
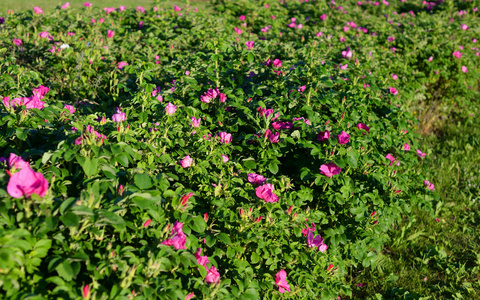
34, 101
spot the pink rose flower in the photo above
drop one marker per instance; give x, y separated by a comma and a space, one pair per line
27, 182
343, 138
122, 64
110, 33
195, 122
265, 192
87, 4
420, 153
330, 169
364, 127
66, 5
464, 69
186, 162
119, 116
70, 108
170, 109
225, 158
256, 179
457, 54
225, 138
406, 147
15, 161
178, 238
393, 90
212, 276
250, 44
201, 260
281, 281
37, 10
323, 136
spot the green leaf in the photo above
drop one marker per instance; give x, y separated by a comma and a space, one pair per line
198, 224
21, 134
70, 219
273, 167
113, 219
224, 238
90, 166
65, 270
142, 181
250, 57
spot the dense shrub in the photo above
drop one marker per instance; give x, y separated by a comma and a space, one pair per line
258, 153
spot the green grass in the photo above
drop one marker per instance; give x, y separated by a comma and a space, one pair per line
48, 5
436, 257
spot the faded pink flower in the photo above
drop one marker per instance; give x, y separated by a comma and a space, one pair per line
343, 138
394, 76
464, 69
140, 9
66, 5
347, 53
110, 33
40, 91
170, 109
186, 161
43, 34
464, 27
122, 8
406, 147
119, 116
27, 182
176, 8
17, 42
241, 18
256, 179
238, 30
281, 281
457, 54
265, 192
87, 4
225, 158
330, 169
250, 44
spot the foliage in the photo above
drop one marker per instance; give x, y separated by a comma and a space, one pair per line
117, 170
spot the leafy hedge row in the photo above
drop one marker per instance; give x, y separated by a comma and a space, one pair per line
274, 138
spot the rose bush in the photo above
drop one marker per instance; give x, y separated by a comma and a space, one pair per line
226, 134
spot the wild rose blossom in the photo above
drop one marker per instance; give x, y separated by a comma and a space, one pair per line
393, 90
406, 147
420, 153
209, 95
110, 33
186, 162
281, 281
195, 122
87, 4
464, 69
122, 64
323, 136
347, 53
37, 10
212, 276
265, 192
225, 138
316, 242
27, 182
16, 162
70, 108
178, 238
343, 138
429, 185
119, 116
201, 260
364, 127
256, 179
170, 109
250, 44
330, 169
66, 5
17, 42
457, 54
